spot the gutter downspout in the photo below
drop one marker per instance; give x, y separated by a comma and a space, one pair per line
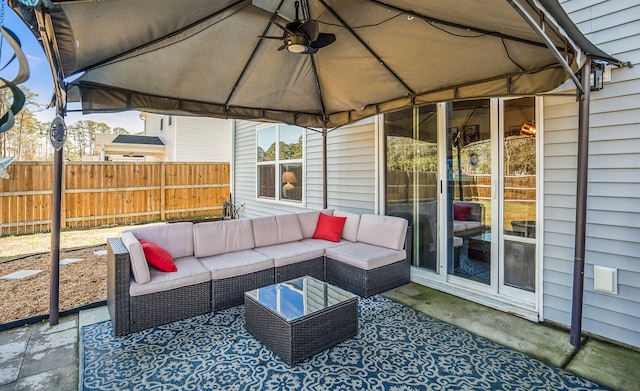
581, 205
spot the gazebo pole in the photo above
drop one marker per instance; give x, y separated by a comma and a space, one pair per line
57, 137
324, 167
581, 205
54, 295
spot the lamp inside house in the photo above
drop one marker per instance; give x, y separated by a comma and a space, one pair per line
288, 178
528, 129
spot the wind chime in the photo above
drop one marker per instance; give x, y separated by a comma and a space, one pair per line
8, 118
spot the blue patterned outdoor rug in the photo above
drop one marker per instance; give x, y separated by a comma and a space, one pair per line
397, 348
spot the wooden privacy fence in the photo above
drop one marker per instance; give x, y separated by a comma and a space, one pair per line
99, 194
405, 186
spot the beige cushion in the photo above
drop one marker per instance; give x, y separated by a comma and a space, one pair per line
177, 238
324, 244
265, 231
365, 256
309, 221
289, 253
350, 230
139, 265
218, 237
190, 272
236, 264
457, 241
459, 226
384, 231
288, 228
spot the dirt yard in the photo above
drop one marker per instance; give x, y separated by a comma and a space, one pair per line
81, 282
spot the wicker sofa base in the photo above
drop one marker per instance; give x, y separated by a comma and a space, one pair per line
365, 283
164, 307
229, 292
130, 314
118, 281
312, 267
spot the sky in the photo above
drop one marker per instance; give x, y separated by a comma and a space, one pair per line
41, 81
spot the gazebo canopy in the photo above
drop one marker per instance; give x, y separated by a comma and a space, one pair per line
208, 58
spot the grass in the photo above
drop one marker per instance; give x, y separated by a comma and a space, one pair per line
513, 211
15, 247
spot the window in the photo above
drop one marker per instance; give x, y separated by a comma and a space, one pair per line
161, 123
279, 151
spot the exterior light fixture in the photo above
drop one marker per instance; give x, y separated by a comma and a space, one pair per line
58, 132
597, 76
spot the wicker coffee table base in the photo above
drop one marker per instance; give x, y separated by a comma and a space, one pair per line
298, 340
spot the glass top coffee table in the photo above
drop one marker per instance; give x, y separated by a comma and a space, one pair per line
299, 318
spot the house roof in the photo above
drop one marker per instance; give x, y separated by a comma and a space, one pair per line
131, 139
125, 144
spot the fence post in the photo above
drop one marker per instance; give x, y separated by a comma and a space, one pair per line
162, 190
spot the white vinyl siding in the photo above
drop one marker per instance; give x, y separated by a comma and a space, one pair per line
351, 170
167, 134
192, 139
613, 212
201, 139
351, 161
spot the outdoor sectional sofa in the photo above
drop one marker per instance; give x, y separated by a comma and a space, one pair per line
218, 261
468, 220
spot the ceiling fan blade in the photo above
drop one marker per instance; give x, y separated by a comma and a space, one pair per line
282, 47
267, 37
311, 50
310, 27
284, 28
324, 39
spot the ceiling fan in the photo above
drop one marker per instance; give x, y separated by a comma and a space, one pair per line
303, 36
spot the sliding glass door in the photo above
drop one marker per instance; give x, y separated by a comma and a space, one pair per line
412, 178
518, 198
464, 174
469, 190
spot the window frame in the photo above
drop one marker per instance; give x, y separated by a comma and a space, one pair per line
279, 163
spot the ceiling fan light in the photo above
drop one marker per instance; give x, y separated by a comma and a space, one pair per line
297, 44
296, 48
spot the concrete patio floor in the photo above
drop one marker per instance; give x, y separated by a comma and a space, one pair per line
41, 357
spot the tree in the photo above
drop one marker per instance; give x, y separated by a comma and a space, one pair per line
81, 137
119, 130
28, 139
291, 151
520, 155
23, 139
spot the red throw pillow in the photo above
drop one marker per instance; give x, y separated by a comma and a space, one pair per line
329, 227
461, 212
158, 257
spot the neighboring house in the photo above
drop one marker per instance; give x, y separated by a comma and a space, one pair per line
515, 159
191, 139
121, 147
